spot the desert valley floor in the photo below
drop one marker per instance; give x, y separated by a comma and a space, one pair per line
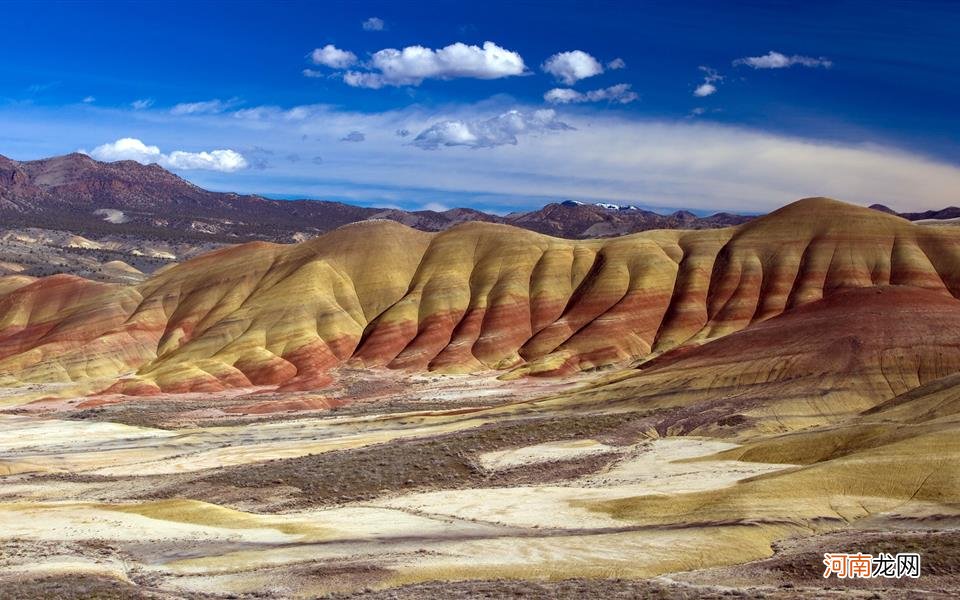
435, 480
491, 413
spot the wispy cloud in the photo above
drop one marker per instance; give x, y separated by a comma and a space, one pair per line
776, 60
142, 104
489, 133
373, 24
708, 87
618, 94
206, 107
617, 63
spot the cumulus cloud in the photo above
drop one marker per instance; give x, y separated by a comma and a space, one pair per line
619, 94
373, 24
704, 89
142, 103
89, 100
571, 67
207, 107
497, 131
776, 60
333, 57
226, 161
413, 64
353, 136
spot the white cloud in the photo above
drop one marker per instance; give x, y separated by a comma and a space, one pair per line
89, 100
435, 207
497, 131
620, 94
373, 24
207, 107
413, 64
710, 75
570, 67
707, 88
226, 161
127, 149
704, 89
373, 81
333, 57
142, 103
776, 60
564, 96
611, 156
617, 63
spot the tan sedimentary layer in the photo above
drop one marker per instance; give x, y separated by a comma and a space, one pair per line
478, 296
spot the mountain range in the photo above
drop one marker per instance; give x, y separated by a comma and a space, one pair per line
79, 194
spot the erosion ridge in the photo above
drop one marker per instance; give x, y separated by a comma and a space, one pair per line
478, 296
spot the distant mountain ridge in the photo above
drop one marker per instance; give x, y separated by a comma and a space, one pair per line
79, 194
950, 212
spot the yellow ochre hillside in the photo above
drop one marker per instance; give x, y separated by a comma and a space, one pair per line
478, 296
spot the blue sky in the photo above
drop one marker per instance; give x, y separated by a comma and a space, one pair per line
702, 105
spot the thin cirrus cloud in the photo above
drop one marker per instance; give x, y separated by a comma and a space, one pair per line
617, 63
503, 129
373, 24
776, 60
226, 161
617, 94
142, 103
570, 67
207, 107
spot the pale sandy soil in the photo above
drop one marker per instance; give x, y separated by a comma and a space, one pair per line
75, 498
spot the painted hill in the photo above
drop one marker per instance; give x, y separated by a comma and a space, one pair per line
488, 296
79, 194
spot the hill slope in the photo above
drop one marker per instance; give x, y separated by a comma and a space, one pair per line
478, 296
